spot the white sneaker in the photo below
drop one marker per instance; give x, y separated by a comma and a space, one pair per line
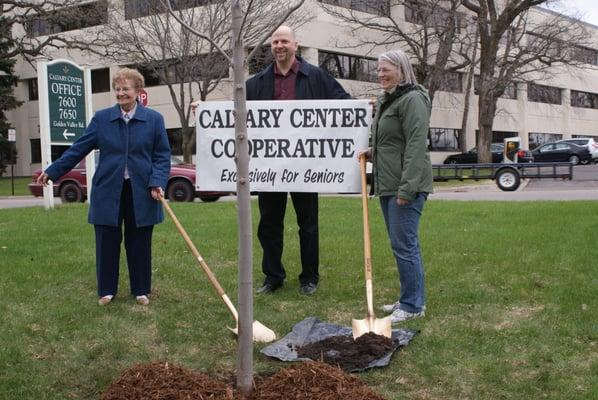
399, 315
142, 300
388, 308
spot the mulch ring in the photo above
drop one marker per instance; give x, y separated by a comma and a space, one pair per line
304, 380
346, 353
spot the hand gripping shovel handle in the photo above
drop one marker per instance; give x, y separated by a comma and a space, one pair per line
201, 261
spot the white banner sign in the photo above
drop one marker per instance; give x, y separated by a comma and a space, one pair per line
294, 146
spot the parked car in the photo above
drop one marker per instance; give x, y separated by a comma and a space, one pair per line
471, 156
181, 183
555, 152
72, 187
588, 143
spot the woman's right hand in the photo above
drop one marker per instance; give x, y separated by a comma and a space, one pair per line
43, 179
367, 153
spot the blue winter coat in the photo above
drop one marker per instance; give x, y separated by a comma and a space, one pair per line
142, 144
313, 83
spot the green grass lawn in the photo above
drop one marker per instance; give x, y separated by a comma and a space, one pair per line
19, 184
511, 313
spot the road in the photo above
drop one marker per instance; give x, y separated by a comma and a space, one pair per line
583, 186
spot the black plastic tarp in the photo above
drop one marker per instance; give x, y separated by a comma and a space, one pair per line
312, 330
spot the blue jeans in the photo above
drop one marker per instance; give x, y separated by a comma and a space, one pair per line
402, 224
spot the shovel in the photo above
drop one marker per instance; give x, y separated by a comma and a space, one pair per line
379, 326
261, 333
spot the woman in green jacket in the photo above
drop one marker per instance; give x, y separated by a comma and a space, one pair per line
402, 173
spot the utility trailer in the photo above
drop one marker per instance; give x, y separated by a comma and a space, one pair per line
507, 176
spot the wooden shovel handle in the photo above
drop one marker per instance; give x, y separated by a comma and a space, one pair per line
200, 260
367, 251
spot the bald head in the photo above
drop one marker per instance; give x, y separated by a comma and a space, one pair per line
283, 29
284, 47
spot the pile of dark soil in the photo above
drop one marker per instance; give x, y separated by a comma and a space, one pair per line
346, 353
302, 381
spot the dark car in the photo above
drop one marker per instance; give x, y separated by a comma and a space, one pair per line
562, 151
72, 187
471, 156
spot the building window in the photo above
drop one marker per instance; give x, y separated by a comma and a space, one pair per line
57, 150
584, 99
444, 139
68, 19
32, 88
538, 139
451, 82
509, 93
348, 67
144, 8
164, 72
261, 59
500, 136
36, 150
100, 80
543, 94
585, 55
378, 7
209, 66
433, 16
175, 139
150, 75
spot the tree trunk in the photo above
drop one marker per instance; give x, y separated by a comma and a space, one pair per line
467, 98
245, 300
487, 109
188, 144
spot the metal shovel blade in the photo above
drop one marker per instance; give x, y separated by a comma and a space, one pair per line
379, 326
261, 333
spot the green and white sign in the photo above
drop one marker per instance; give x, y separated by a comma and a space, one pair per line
66, 101
64, 111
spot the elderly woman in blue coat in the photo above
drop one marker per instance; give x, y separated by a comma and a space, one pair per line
131, 174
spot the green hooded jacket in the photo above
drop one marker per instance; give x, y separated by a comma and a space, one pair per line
401, 161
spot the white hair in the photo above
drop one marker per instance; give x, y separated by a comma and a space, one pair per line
399, 59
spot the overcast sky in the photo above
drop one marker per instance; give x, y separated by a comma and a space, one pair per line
587, 9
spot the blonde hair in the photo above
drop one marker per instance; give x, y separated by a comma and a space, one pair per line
130, 74
399, 59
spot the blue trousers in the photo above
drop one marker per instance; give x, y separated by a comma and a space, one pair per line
270, 232
402, 224
138, 247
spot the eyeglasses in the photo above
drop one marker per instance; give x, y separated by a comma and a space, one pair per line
123, 89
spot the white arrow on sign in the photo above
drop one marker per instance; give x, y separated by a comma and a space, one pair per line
67, 134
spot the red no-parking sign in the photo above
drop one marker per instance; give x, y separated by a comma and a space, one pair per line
142, 97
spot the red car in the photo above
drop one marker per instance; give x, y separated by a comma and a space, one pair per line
72, 187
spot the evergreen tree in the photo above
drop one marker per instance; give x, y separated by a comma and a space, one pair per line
7, 99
